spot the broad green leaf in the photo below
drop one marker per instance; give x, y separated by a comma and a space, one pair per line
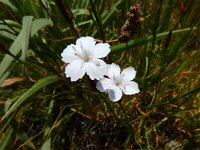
36, 87
40, 23
26, 30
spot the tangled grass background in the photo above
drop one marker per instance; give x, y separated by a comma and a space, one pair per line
42, 109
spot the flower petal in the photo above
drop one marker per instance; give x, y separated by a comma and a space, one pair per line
131, 88
69, 54
128, 74
115, 94
86, 43
75, 70
104, 84
96, 69
113, 71
101, 50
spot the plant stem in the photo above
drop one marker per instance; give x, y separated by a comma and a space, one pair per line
67, 15
109, 107
123, 110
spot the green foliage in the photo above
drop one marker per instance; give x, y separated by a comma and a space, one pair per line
47, 111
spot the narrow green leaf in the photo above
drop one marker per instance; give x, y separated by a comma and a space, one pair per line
26, 30
46, 145
4, 76
7, 60
124, 46
67, 14
24, 137
14, 49
9, 25
146, 66
8, 3
192, 92
97, 17
108, 17
5, 141
166, 16
77, 12
6, 36
17, 44
168, 40
36, 87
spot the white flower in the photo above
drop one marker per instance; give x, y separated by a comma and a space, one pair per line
118, 82
84, 58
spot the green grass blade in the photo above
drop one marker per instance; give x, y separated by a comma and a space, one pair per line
8, 3
124, 46
5, 141
36, 87
106, 21
4, 76
33, 8
192, 92
97, 18
20, 40
9, 26
67, 14
7, 60
166, 16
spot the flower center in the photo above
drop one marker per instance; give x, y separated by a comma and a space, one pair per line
117, 81
86, 54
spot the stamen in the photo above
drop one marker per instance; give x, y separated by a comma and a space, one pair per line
96, 63
76, 52
117, 80
86, 53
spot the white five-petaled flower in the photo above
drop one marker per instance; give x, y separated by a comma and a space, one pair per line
84, 58
118, 82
